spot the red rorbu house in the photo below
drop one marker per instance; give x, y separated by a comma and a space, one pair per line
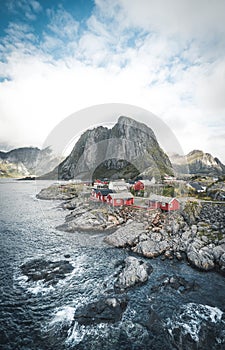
100, 194
164, 203
120, 199
100, 183
94, 193
103, 193
138, 186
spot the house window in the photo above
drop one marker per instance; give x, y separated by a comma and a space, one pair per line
171, 205
118, 201
163, 204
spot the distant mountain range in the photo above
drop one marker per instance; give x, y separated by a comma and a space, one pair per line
197, 163
27, 161
127, 150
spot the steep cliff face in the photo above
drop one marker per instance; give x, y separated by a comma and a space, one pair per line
27, 161
128, 148
198, 162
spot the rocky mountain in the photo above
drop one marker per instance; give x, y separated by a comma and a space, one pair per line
27, 161
197, 162
128, 149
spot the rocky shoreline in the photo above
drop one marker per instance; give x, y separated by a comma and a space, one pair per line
196, 233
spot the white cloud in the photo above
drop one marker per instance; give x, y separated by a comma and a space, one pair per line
30, 8
62, 24
188, 18
158, 55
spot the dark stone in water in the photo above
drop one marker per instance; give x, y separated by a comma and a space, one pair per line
48, 271
105, 310
175, 282
67, 256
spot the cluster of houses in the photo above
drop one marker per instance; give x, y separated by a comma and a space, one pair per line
117, 194
114, 193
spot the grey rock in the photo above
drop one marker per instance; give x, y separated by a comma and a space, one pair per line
200, 256
218, 251
194, 229
126, 235
222, 262
135, 272
150, 248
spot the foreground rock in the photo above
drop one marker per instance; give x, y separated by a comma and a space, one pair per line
105, 310
194, 234
134, 272
126, 235
196, 326
48, 271
88, 217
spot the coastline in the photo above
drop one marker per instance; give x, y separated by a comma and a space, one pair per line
192, 234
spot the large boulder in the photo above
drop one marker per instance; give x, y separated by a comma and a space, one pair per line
126, 235
151, 248
201, 256
105, 310
134, 272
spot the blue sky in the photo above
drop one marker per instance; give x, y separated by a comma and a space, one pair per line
58, 57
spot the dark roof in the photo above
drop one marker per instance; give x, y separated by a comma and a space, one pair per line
196, 186
95, 190
105, 191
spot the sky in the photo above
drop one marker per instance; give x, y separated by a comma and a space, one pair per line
165, 56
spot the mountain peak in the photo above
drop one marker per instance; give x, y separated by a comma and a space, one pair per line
129, 148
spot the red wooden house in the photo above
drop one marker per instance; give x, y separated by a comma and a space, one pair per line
120, 199
103, 193
138, 186
164, 203
94, 193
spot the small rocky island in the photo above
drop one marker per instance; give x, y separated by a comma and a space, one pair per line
192, 233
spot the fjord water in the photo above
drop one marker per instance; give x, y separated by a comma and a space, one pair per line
38, 316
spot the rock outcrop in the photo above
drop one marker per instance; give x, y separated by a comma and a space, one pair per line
194, 235
129, 144
105, 310
59, 192
134, 272
49, 272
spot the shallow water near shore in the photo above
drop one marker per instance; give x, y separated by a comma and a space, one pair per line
36, 315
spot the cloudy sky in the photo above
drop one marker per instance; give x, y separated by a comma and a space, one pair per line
165, 56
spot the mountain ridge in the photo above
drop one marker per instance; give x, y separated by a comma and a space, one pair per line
128, 143
25, 161
197, 162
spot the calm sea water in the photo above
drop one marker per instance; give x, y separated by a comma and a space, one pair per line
38, 316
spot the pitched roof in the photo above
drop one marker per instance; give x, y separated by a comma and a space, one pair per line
161, 199
196, 186
104, 191
122, 195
